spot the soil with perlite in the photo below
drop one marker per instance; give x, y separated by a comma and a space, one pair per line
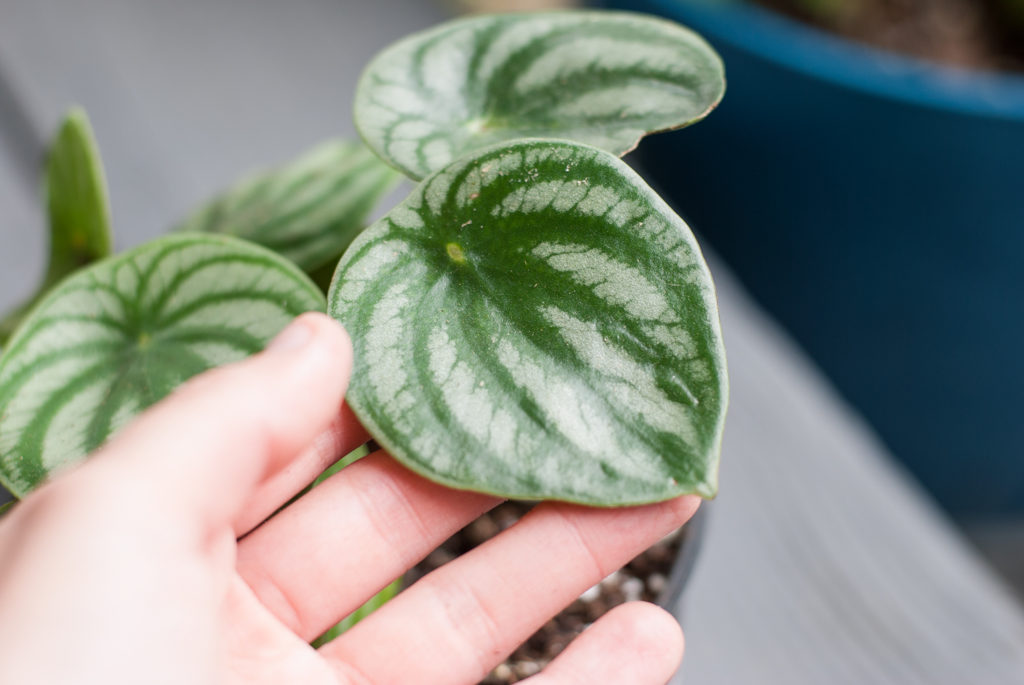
976, 34
644, 578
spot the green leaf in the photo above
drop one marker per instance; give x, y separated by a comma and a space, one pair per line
601, 78
120, 335
6, 507
535, 322
308, 211
76, 198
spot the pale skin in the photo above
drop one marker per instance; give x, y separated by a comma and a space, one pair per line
148, 564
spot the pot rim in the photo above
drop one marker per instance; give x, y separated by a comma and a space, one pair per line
818, 54
693, 532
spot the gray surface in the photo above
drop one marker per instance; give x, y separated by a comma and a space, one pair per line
821, 564
184, 96
21, 222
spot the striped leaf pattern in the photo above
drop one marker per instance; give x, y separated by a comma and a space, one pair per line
602, 78
308, 211
535, 322
120, 335
76, 199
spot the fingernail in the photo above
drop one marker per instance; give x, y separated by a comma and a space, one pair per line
294, 336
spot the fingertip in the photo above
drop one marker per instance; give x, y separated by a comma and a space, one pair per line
637, 643
326, 325
333, 335
312, 345
311, 327
652, 629
683, 508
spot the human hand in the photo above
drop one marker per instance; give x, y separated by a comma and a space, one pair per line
129, 568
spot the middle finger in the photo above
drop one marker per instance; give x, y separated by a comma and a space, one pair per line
325, 555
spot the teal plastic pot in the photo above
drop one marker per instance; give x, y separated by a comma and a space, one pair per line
875, 205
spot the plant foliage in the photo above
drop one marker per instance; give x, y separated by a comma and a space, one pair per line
123, 333
602, 78
308, 211
533, 321
536, 323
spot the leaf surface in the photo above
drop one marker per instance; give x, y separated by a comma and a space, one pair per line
535, 322
602, 78
121, 334
76, 200
76, 197
309, 210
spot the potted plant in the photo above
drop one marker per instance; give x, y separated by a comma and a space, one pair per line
532, 302
870, 201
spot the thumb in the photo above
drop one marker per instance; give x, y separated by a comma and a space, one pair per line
205, 448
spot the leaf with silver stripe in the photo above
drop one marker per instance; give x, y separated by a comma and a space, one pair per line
535, 322
309, 210
121, 334
601, 78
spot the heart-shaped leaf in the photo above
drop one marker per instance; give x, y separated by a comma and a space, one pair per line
121, 334
76, 198
535, 322
309, 210
602, 78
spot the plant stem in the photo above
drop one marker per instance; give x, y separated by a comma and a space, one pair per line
374, 603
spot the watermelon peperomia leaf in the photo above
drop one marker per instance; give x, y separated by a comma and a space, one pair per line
76, 199
601, 78
535, 322
121, 334
309, 210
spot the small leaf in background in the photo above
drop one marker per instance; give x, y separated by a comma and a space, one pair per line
535, 322
308, 211
602, 78
119, 335
76, 200
6, 507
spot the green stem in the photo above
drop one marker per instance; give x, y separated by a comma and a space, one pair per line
375, 602
382, 597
